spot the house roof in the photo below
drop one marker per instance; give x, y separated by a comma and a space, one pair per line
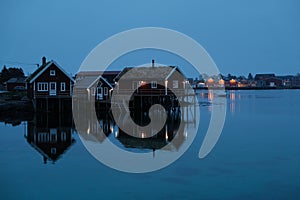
17, 80
88, 79
45, 150
43, 68
160, 72
263, 76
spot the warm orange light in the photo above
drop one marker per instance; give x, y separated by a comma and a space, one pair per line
210, 95
232, 81
210, 80
221, 82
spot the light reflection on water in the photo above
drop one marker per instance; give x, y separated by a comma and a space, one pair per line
257, 157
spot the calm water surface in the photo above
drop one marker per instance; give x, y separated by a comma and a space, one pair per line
257, 157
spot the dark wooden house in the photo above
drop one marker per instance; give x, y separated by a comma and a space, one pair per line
49, 83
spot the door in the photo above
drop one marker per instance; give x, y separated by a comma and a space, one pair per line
100, 93
52, 88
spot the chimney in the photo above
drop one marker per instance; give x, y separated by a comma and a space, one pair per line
43, 60
152, 62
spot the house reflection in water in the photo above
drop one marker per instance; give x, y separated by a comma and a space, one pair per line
140, 139
173, 130
51, 134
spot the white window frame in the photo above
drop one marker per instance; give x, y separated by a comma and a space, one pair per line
53, 150
42, 87
52, 72
63, 136
93, 89
153, 84
105, 91
63, 86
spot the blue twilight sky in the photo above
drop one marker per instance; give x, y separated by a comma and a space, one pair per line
241, 36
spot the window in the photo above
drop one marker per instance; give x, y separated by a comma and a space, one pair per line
63, 136
52, 72
62, 86
42, 87
153, 84
93, 91
135, 85
175, 83
105, 91
43, 137
53, 150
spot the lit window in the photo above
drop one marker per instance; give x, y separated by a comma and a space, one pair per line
42, 87
62, 86
153, 84
52, 72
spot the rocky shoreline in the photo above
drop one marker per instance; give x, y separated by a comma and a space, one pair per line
15, 108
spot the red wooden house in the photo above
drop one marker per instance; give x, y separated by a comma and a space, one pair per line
156, 84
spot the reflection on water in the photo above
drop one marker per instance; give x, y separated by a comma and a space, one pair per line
153, 139
259, 146
232, 100
175, 130
51, 134
206, 97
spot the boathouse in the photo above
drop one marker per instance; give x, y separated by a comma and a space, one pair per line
95, 86
165, 85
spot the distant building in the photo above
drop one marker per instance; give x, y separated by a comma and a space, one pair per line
263, 76
16, 84
295, 82
267, 80
273, 82
243, 83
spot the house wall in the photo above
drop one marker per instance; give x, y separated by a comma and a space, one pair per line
11, 86
277, 82
146, 88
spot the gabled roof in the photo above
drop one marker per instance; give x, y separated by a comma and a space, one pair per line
17, 80
160, 72
100, 77
86, 80
263, 76
43, 68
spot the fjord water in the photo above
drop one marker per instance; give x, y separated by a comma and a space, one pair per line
256, 157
